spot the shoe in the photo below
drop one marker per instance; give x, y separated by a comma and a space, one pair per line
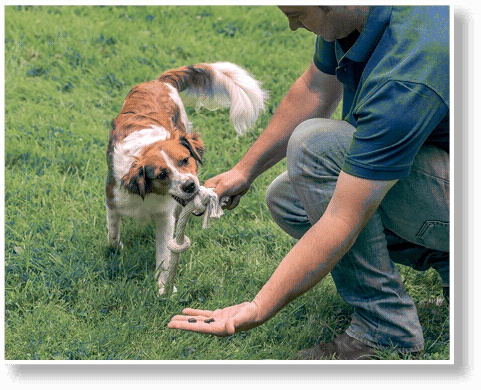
343, 347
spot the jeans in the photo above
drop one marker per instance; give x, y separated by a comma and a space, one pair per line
411, 226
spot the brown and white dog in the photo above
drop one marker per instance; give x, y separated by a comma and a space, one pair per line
152, 154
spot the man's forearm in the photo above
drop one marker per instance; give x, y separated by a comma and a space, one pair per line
307, 98
308, 262
324, 244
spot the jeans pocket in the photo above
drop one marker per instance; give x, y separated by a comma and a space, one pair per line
434, 235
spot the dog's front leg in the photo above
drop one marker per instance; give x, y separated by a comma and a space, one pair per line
113, 227
165, 267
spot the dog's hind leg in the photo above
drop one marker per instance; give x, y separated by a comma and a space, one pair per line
165, 268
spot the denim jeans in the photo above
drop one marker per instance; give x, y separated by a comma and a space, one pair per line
411, 226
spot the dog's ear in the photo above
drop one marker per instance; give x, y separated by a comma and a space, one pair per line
194, 144
134, 180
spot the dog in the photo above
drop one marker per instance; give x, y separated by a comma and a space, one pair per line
153, 155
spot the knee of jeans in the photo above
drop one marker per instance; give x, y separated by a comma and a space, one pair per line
300, 138
283, 208
275, 194
315, 138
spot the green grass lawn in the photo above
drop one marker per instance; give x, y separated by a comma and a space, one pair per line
67, 71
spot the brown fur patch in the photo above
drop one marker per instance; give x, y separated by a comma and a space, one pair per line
109, 190
147, 174
147, 104
198, 76
180, 155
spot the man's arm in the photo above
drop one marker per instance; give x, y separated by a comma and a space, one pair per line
313, 95
324, 244
309, 261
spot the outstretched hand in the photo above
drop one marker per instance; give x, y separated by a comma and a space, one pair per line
220, 322
230, 186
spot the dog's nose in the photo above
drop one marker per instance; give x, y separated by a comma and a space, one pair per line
189, 186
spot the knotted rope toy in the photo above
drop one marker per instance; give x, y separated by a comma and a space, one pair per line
206, 201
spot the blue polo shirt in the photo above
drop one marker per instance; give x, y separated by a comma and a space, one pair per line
395, 75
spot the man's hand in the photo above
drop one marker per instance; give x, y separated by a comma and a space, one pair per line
220, 322
229, 186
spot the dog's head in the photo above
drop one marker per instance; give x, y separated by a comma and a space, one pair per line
167, 167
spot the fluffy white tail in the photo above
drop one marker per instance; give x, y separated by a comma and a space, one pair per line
221, 84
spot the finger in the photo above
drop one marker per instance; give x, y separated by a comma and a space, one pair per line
194, 319
197, 312
188, 318
216, 185
225, 202
211, 183
230, 202
230, 326
235, 200
199, 326
213, 328
244, 191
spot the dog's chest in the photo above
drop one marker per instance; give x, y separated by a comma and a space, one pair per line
143, 210
133, 205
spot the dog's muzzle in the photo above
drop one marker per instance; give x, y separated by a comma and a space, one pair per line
190, 189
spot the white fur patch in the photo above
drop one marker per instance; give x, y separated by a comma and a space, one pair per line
178, 178
246, 95
232, 86
130, 147
143, 210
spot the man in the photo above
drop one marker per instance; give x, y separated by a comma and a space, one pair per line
357, 193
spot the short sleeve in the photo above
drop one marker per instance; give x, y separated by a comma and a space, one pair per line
325, 56
392, 123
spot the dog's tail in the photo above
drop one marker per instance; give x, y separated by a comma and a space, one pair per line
221, 84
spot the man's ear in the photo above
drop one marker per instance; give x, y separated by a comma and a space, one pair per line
194, 144
134, 180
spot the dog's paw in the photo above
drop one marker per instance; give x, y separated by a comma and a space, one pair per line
163, 290
115, 248
116, 245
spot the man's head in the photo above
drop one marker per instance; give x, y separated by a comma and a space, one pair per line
328, 22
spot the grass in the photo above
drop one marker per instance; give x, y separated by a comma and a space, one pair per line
67, 71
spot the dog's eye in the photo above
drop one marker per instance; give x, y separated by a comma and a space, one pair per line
184, 162
162, 175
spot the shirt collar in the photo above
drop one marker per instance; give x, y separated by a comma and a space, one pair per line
371, 33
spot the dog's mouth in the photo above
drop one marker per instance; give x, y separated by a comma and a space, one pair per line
182, 201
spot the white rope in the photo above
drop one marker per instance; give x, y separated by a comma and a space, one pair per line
206, 201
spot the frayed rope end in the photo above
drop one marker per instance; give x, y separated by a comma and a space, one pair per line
207, 201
